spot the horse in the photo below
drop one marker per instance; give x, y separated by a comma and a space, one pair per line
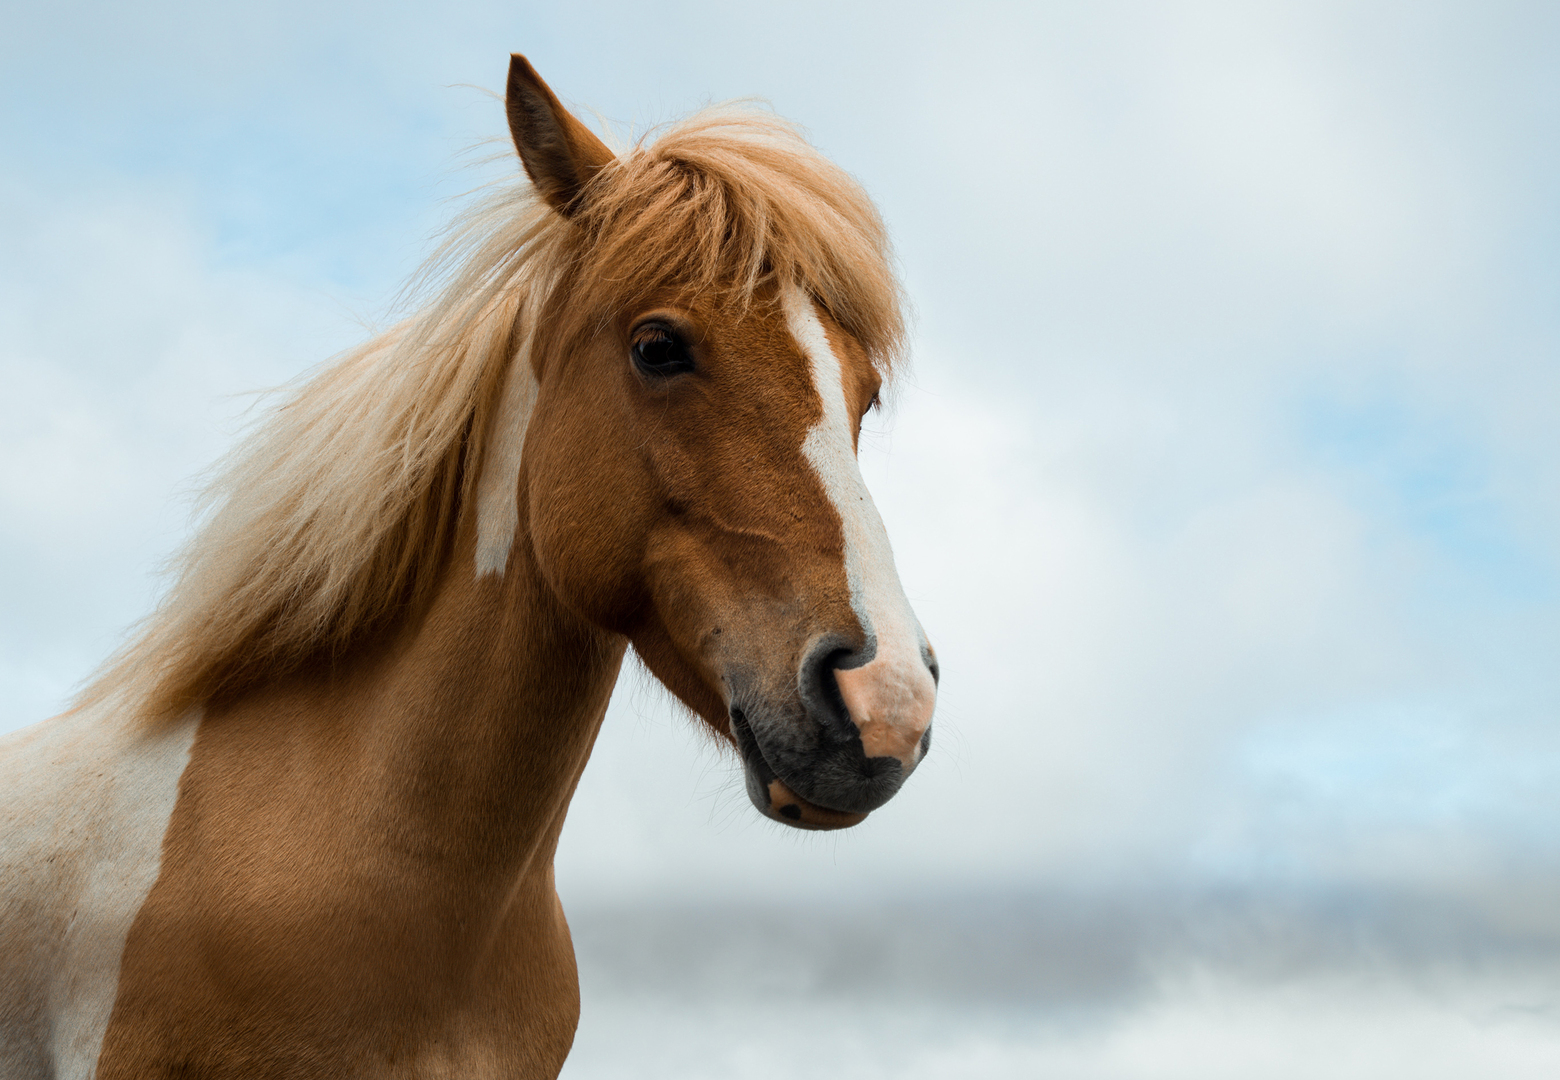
302, 824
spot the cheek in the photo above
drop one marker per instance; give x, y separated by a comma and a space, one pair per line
705, 626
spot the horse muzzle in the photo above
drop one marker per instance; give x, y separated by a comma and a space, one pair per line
845, 742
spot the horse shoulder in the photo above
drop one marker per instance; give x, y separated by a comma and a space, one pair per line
84, 801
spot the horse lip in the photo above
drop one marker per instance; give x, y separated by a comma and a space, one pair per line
787, 806
763, 778
772, 796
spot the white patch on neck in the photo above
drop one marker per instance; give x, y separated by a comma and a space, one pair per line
904, 686
85, 800
498, 509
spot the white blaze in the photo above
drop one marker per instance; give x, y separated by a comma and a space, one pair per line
85, 799
891, 697
498, 510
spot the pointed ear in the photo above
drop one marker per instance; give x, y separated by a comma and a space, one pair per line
559, 153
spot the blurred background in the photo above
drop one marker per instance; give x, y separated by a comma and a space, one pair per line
1226, 482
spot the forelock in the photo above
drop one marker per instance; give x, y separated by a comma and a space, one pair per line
729, 200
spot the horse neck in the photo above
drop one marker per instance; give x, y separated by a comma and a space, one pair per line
498, 698
461, 735
494, 706
365, 850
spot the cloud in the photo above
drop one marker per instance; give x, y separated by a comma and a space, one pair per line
126, 356
1225, 482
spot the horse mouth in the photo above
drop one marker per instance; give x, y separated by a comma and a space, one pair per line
772, 796
787, 806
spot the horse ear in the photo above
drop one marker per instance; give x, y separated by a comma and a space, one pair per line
559, 153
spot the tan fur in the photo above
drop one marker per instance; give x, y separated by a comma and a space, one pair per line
356, 875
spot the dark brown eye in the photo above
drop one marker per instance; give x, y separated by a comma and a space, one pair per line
660, 352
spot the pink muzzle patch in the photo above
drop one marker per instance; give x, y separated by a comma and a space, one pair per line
891, 701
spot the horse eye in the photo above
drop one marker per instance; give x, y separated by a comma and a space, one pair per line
660, 352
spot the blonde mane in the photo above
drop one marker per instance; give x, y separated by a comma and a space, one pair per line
336, 514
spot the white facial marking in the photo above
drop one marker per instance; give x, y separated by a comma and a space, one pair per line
498, 511
891, 697
85, 800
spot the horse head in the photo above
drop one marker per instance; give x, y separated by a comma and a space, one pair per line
689, 474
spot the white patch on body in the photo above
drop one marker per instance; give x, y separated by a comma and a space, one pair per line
85, 800
891, 697
498, 510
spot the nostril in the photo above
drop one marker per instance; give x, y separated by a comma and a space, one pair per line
820, 690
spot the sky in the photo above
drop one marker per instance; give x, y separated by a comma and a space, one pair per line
1226, 480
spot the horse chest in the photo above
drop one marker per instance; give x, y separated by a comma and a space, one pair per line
136, 947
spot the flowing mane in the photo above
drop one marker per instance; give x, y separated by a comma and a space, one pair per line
309, 826
337, 513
